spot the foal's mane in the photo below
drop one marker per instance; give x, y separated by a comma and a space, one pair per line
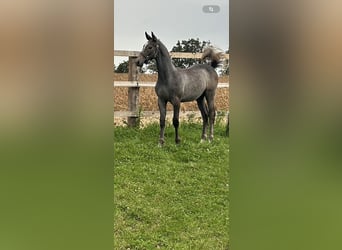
163, 48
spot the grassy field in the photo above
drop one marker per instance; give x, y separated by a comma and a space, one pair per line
171, 197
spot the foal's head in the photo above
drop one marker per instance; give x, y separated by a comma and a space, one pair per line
150, 50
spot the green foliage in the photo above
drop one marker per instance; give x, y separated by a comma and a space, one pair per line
170, 197
191, 45
122, 68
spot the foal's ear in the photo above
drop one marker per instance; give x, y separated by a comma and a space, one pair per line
154, 37
148, 37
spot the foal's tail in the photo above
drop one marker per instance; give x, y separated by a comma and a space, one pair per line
213, 55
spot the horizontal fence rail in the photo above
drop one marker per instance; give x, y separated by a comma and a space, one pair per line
126, 53
133, 85
128, 84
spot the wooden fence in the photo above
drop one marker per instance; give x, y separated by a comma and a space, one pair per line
134, 85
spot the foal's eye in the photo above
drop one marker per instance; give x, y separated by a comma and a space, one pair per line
150, 47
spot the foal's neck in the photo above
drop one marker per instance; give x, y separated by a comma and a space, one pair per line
164, 63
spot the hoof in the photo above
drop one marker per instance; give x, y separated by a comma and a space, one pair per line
178, 141
203, 138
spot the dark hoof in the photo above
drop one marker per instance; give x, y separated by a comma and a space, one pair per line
204, 138
178, 141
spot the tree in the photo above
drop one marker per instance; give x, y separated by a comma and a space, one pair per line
122, 68
191, 45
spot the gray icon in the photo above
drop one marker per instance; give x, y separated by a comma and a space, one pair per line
211, 9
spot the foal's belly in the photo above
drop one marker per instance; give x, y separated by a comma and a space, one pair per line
190, 98
193, 92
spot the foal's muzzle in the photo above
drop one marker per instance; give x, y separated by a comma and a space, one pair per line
140, 61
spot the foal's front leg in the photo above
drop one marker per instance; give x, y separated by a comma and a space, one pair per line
175, 120
162, 111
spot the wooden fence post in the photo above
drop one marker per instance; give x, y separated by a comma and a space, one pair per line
133, 93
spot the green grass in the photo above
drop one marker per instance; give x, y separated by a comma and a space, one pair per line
170, 197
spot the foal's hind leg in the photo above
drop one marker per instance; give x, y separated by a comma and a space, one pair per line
204, 112
210, 96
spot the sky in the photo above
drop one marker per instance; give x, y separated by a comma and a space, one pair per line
170, 21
